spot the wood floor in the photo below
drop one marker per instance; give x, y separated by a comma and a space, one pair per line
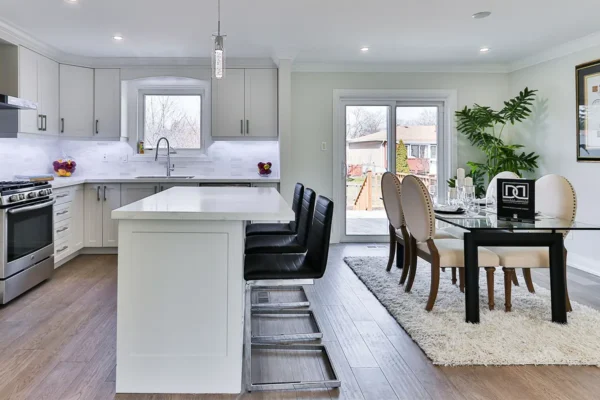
58, 342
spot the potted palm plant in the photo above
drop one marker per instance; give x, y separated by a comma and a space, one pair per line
484, 126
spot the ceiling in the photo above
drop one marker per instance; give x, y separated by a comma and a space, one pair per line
320, 31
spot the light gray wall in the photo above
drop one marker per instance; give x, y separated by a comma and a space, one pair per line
551, 132
312, 112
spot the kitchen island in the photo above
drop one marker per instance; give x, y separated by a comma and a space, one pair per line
180, 313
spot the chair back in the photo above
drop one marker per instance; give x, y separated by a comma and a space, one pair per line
298, 194
390, 190
493, 186
307, 210
418, 208
555, 197
320, 234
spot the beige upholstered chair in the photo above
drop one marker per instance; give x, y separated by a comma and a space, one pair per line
420, 219
555, 197
391, 189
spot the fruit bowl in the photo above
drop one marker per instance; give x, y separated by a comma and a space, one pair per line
264, 169
64, 167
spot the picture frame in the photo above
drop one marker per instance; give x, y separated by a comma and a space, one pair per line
587, 83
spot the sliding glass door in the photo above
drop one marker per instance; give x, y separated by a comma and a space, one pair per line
370, 127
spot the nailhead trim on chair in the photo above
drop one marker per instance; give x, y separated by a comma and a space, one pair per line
574, 203
428, 203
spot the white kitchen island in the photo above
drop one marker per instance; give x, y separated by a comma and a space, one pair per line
180, 314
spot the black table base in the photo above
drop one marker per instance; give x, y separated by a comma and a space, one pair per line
490, 238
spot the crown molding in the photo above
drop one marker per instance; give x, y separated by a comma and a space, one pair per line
390, 67
562, 50
16, 36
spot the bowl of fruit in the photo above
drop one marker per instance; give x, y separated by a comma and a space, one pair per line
64, 166
264, 169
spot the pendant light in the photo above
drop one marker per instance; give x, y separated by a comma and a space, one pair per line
218, 53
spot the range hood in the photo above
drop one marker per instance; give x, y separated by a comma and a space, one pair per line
15, 103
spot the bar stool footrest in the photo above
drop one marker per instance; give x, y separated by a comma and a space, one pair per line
278, 297
301, 318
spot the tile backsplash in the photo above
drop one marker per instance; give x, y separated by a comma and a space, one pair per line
112, 159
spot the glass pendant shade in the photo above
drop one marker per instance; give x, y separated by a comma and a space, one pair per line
218, 57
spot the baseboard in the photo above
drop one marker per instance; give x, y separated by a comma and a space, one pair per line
583, 264
66, 259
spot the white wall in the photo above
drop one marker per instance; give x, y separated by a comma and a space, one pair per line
551, 132
312, 108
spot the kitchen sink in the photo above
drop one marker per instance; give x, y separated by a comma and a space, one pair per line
164, 177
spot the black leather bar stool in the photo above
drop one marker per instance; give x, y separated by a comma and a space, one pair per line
290, 269
282, 244
288, 228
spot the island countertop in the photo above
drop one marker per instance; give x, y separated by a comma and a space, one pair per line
211, 204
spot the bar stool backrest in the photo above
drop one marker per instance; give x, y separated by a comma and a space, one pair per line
307, 210
298, 194
320, 234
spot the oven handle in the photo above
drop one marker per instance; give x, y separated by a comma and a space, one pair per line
31, 208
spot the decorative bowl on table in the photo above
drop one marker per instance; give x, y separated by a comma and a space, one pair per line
64, 167
264, 169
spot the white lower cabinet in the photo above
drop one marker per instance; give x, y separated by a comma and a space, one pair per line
99, 201
77, 219
68, 221
132, 192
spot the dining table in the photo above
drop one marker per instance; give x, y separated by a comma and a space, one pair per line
484, 228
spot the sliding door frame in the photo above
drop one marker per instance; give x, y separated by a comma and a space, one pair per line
446, 137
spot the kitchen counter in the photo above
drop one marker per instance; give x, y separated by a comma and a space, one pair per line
180, 301
76, 180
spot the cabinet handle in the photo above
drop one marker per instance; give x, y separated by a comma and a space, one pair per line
45, 122
60, 196
247, 127
162, 188
241, 126
63, 249
62, 229
104, 193
98, 193
62, 125
62, 213
155, 189
96, 127
40, 122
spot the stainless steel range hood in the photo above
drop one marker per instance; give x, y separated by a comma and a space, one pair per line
15, 103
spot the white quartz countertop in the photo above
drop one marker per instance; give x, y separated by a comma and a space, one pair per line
76, 180
210, 203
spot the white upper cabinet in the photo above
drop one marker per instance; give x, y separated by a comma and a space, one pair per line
244, 104
29, 121
228, 105
38, 82
261, 102
107, 103
76, 101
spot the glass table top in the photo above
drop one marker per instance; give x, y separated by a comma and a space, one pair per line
487, 219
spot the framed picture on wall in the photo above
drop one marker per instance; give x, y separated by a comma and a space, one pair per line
588, 111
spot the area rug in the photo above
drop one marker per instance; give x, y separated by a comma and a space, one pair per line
524, 336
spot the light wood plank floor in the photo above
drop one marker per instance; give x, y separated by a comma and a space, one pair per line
58, 342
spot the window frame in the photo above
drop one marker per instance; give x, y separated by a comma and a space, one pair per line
175, 91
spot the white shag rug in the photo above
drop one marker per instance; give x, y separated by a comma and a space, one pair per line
524, 336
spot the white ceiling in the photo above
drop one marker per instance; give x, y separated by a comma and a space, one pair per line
326, 31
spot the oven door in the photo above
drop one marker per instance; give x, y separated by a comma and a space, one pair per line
28, 236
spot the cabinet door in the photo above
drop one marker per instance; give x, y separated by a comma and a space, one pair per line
111, 200
76, 101
228, 105
92, 215
77, 218
165, 186
261, 102
107, 103
48, 84
28, 89
132, 192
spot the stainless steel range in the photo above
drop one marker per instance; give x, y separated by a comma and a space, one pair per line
26, 236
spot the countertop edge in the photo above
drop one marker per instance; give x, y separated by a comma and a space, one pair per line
62, 182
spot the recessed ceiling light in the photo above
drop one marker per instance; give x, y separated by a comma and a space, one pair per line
364, 49
118, 37
484, 49
71, 1
482, 14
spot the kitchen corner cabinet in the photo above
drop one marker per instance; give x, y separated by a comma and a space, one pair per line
38, 82
244, 104
76, 101
77, 216
107, 103
99, 201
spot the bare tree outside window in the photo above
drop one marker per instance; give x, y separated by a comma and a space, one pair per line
176, 117
364, 120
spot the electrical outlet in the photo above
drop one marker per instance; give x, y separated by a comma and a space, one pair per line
323, 146
104, 157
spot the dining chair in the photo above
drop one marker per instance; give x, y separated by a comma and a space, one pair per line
420, 219
391, 189
556, 198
